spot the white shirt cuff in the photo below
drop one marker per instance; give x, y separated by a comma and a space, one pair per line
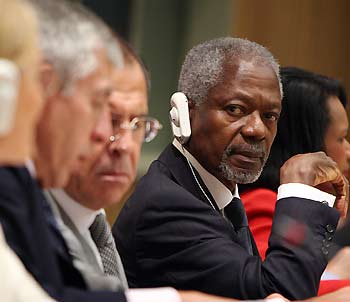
304, 191
160, 294
329, 276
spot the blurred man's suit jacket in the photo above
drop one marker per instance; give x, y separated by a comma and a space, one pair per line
31, 231
82, 255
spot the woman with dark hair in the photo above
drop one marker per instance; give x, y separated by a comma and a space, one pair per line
313, 118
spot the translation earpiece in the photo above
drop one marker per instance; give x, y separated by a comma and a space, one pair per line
9, 79
179, 117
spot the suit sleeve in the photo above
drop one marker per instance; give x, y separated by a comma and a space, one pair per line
182, 242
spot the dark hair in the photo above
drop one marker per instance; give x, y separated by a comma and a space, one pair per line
303, 122
130, 56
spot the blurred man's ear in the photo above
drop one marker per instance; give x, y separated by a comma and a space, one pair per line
49, 79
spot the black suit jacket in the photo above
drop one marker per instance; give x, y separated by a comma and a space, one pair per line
31, 233
168, 235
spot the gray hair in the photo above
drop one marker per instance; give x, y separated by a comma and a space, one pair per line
70, 36
203, 67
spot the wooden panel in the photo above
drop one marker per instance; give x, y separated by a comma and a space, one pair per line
313, 34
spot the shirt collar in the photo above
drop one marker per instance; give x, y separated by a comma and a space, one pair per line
81, 216
222, 195
29, 164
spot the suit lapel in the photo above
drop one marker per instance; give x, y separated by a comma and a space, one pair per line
77, 245
179, 168
181, 172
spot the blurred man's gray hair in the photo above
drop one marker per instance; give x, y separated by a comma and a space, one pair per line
70, 35
203, 67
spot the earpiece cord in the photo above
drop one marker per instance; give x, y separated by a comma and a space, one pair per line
195, 177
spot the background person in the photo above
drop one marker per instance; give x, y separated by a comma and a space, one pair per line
104, 176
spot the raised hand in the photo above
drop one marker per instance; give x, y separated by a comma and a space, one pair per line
318, 170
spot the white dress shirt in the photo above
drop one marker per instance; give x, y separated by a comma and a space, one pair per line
81, 216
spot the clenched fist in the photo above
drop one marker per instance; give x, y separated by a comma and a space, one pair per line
318, 170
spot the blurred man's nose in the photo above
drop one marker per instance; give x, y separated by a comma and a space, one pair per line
103, 129
122, 141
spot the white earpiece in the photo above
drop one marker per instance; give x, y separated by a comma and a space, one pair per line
9, 79
179, 117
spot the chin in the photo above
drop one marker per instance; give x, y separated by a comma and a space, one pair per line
111, 200
238, 174
58, 180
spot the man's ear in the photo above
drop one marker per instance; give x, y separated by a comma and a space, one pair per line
49, 79
191, 107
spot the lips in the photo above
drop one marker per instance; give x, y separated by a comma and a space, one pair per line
250, 154
247, 158
113, 176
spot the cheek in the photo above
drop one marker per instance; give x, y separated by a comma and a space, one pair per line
336, 151
82, 108
135, 157
269, 141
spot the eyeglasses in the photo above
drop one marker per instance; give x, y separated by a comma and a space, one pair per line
143, 128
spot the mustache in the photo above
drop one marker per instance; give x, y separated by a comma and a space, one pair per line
257, 149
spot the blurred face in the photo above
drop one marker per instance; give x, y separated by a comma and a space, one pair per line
18, 145
232, 131
336, 143
30, 103
108, 172
67, 123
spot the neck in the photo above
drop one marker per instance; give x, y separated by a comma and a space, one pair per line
12, 151
44, 176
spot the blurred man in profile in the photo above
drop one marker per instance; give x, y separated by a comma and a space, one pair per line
20, 105
105, 175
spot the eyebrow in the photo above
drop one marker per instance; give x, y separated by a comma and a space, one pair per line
246, 98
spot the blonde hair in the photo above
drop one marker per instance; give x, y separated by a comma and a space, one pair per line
18, 32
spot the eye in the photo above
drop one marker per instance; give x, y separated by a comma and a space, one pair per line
234, 109
271, 116
342, 139
138, 125
116, 121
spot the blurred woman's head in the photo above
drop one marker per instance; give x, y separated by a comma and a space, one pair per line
19, 45
313, 119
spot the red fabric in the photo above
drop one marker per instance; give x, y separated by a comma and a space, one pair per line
328, 286
260, 207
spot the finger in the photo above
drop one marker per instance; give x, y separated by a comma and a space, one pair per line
342, 196
332, 175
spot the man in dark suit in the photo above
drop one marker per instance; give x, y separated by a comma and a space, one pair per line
185, 226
